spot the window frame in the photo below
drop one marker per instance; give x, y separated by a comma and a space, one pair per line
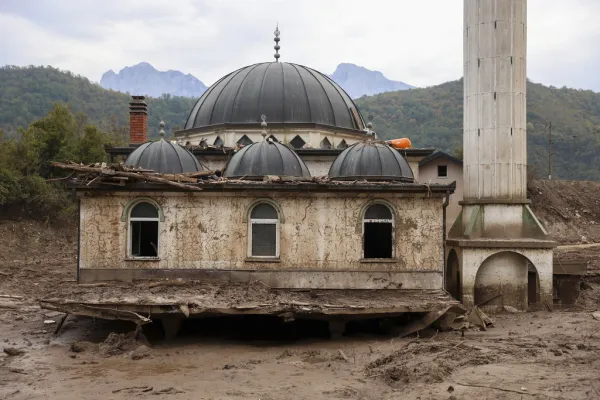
438, 171
261, 221
131, 219
379, 221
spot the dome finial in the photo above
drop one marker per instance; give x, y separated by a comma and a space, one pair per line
161, 132
277, 33
370, 131
263, 125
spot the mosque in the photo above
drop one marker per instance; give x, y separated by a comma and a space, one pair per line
349, 215
303, 197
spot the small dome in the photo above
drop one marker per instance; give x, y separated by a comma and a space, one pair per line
372, 161
265, 158
163, 157
286, 93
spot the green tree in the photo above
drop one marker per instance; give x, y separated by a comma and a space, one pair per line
28, 181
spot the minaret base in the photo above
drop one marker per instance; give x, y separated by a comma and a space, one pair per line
499, 255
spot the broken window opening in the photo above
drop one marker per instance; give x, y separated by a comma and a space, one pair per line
143, 230
442, 171
378, 232
342, 145
264, 231
297, 142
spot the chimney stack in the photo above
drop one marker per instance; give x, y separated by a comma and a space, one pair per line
138, 121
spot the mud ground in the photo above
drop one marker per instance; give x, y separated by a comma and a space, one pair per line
525, 355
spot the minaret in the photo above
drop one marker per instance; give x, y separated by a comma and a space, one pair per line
497, 245
495, 58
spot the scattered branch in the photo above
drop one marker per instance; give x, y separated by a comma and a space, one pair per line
142, 176
507, 390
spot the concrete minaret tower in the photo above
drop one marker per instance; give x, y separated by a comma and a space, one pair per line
495, 52
497, 245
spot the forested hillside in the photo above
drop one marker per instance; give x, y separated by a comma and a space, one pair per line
432, 117
29, 93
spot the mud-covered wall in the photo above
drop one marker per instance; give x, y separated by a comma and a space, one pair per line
208, 231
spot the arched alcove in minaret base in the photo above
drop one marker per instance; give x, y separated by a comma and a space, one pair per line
493, 278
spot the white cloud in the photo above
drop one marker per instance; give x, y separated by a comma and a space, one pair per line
419, 42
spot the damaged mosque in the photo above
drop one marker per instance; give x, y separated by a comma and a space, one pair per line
277, 179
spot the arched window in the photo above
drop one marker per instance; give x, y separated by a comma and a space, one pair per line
143, 230
263, 231
378, 232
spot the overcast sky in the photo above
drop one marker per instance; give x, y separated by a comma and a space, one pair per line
415, 41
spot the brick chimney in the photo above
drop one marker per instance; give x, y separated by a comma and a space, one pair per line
138, 125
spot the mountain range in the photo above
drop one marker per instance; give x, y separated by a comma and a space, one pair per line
359, 81
430, 117
144, 79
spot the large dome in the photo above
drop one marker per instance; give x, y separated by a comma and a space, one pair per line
164, 158
286, 93
264, 158
372, 161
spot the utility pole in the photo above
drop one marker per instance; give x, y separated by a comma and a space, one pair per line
550, 151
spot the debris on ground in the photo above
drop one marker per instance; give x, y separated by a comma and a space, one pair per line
511, 310
17, 370
13, 352
141, 352
116, 344
426, 361
474, 319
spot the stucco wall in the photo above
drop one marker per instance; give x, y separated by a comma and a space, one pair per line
428, 173
207, 231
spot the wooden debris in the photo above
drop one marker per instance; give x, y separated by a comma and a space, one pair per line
8, 296
60, 324
142, 176
422, 323
96, 312
140, 388
507, 390
199, 174
17, 370
344, 356
185, 310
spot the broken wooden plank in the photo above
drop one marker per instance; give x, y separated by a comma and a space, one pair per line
178, 178
96, 312
9, 296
